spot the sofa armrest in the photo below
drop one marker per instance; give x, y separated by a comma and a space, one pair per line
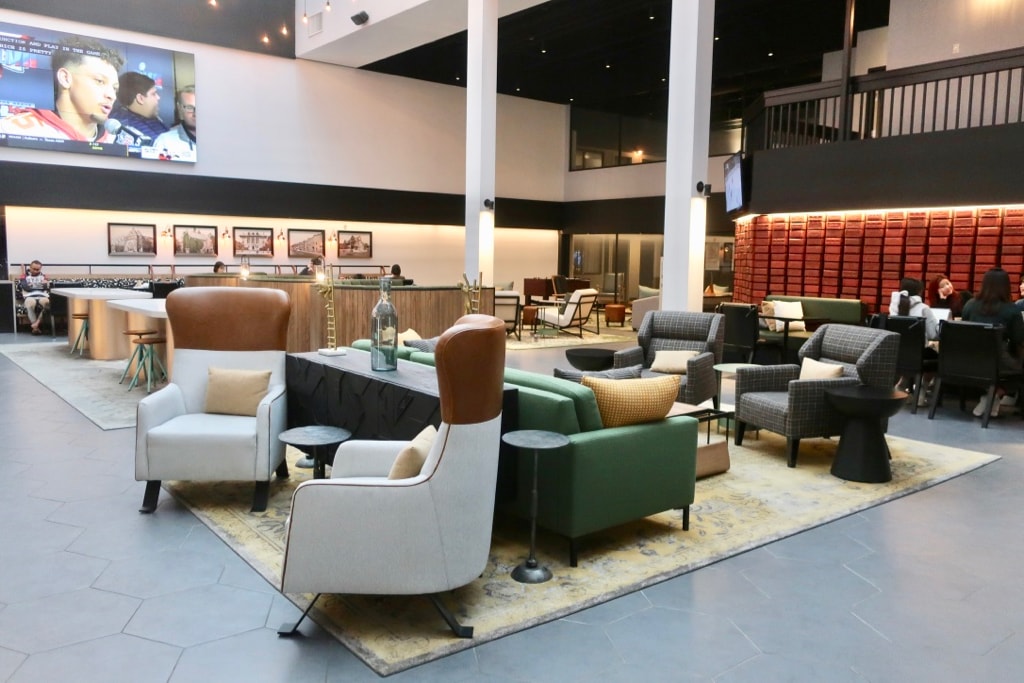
701, 382
640, 307
765, 378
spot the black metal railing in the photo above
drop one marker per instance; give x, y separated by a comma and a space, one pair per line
983, 90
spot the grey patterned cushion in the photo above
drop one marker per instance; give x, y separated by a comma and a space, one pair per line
427, 345
632, 372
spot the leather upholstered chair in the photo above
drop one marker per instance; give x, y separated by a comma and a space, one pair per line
175, 438
773, 397
360, 532
680, 331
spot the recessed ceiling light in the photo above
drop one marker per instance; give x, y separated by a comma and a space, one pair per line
716, 37
284, 29
265, 39
771, 54
213, 3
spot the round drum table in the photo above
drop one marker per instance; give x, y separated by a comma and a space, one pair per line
863, 455
589, 358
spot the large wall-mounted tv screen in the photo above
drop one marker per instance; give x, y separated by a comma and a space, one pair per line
73, 93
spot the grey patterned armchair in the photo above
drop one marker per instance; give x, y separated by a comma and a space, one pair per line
680, 330
773, 397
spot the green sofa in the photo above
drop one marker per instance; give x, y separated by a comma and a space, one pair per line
605, 476
845, 311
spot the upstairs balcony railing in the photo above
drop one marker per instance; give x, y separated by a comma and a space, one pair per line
984, 90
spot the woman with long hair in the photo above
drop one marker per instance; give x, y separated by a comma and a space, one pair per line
994, 306
942, 295
907, 301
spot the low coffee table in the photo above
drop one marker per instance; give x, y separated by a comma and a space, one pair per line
590, 358
863, 455
316, 437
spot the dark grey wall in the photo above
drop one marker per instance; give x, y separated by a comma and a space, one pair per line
955, 168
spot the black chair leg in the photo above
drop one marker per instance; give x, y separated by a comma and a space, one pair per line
988, 406
282, 470
686, 518
794, 448
260, 496
458, 629
150, 497
936, 395
741, 427
573, 553
918, 381
290, 629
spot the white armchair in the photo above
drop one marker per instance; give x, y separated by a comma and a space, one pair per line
175, 438
508, 307
574, 314
360, 532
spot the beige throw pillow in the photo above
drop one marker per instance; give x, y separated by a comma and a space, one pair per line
409, 334
789, 309
673, 362
632, 401
411, 458
768, 309
813, 369
235, 392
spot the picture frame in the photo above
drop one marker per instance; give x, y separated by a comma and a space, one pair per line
352, 244
253, 241
305, 243
195, 240
131, 239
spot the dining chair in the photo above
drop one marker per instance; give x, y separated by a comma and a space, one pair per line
910, 361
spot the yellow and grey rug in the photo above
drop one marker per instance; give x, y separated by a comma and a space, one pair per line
757, 501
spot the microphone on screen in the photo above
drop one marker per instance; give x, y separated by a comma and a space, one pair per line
112, 126
126, 135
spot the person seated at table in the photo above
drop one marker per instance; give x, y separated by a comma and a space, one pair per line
993, 306
313, 263
942, 295
1019, 303
907, 301
35, 291
219, 267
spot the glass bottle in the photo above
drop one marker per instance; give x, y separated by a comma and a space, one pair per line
384, 331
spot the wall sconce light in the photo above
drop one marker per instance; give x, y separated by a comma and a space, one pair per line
225, 234
489, 204
359, 18
328, 7
166, 232
332, 238
280, 235
704, 188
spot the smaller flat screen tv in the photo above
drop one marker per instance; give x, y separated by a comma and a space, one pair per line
737, 185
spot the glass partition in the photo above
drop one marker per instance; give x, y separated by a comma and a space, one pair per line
600, 140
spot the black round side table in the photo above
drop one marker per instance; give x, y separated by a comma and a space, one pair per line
315, 436
589, 358
530, 571
863, 455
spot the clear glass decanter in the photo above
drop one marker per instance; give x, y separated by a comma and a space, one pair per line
384, 331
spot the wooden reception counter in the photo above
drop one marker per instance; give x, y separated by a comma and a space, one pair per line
428, 310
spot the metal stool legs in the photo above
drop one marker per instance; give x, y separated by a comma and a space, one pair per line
138, 354
83, 334
149, 363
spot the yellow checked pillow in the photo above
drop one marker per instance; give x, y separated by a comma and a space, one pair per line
235, 392
813, 369
674, 362
633, 401
411, 458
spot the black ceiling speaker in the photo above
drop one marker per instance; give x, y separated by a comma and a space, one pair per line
360, 18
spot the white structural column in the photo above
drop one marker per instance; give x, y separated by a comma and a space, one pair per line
689, 111
481, 98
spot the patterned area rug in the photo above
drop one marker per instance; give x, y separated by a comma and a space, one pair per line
549, 337
89, 386
757, 501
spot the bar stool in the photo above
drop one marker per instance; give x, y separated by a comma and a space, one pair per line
83, 334
137, 354
149, 362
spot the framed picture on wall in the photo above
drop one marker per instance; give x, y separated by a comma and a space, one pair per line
131, 239
355, 244
195, 240
306, 243
253, 241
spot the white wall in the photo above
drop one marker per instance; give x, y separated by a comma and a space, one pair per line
430, 254
925, 31
269, 118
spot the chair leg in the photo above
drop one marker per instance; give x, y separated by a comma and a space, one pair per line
150, 497
988, 409
741, 427
686, 518
135, 358
936, 394
287, 630
458, 629
917, 393
573, 553
282, 470
260, 496
794, 448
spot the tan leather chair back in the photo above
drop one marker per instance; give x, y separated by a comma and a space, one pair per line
470, 359
229, 318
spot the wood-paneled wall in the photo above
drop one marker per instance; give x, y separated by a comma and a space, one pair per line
859, 255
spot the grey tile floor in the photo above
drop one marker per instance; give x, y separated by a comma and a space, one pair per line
925, 588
